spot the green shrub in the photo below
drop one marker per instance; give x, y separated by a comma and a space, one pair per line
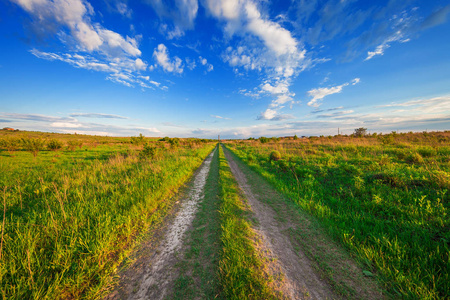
32, 145
174, 143
54, 145
149, 151
414, 158
10, 144
137, 140
427, 152
275, 155
71, 145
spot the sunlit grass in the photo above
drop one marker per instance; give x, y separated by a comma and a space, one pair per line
240, 268
71, 216
385, 198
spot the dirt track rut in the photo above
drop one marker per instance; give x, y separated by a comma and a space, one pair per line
300, 281
152, 277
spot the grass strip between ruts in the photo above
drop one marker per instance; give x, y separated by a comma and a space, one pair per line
240, 270
198, 269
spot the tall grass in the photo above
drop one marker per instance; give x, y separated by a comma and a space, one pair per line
240, 269
387, 203
70, 217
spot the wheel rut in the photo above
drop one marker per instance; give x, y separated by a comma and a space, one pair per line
153, 273
298, 280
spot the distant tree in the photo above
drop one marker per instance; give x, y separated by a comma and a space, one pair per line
359, 132
33, 145
295, 137
263, 140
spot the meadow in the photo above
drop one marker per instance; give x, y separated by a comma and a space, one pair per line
384, 197
73, 206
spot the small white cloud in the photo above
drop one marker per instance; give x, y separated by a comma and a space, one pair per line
356, 81
152, 129
273, 115
123, 9
378, 51
66, 125
162, 58
320, 93
219, 117
181, 12
140, 65
269, 114
204, 62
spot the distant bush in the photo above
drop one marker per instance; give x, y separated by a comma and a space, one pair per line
54, 145
360, 132
10, 144
137, 140
33, 145
71, 145
174, 143
149, 151
263, 140
275, 155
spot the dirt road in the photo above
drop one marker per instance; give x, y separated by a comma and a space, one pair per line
152, 274
181, 261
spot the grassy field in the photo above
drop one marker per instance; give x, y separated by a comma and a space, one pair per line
72, 206
385, 197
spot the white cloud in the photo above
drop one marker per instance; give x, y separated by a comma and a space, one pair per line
265, 46
268, 114
123, 9
320, 93
204, 62
151, 129
67, 125
181, 12
219, 117
162, 58
120, 70
97, 115
75, 15
273, 115
171, 32
140, 65
92, 46
378, 51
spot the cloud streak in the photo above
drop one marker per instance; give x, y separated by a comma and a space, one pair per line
97, 115
318, 94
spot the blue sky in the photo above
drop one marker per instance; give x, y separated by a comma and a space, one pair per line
238, 68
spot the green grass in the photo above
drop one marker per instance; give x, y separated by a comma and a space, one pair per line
240, 269
198, 270
70, 217
388, 203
